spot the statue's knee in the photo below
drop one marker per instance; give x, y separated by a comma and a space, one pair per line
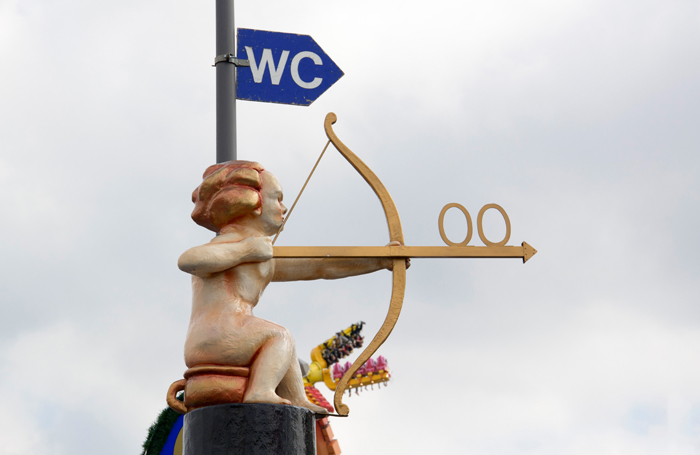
281, 334
288, 337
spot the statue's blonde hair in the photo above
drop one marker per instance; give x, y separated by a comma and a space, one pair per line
230, 190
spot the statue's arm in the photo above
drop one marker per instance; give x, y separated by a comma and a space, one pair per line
288, 269
218, 256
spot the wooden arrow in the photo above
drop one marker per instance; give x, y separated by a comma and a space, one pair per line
397, 252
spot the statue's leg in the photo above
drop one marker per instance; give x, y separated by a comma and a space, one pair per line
269, 367
292, 387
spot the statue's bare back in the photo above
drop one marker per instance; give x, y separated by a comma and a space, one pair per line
223, 329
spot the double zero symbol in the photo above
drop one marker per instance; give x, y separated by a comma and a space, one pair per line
470, 229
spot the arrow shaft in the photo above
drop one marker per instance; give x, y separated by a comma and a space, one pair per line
399, 252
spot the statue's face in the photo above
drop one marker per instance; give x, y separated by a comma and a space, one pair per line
273, 210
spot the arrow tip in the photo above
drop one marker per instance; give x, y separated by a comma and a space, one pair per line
529, 252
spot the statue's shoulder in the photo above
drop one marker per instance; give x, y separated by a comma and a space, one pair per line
226, 238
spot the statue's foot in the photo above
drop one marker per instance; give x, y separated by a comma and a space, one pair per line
309, 405
261, 397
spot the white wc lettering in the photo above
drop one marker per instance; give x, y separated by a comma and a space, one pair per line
295, 69
267, 61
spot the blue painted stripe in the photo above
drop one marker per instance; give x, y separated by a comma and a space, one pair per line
169, 446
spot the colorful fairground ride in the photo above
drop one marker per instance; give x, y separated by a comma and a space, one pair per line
165, 435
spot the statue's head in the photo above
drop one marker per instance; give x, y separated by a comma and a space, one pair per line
229, 191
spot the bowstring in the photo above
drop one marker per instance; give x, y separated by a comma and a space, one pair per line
301, 191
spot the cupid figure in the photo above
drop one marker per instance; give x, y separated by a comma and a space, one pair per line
242, 203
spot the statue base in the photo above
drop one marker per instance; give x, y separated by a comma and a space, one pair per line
249, 429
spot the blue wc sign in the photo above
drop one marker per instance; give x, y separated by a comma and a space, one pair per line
284, 68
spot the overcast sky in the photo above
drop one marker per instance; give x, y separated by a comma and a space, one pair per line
580, 118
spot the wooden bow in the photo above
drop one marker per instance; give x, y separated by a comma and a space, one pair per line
399, 268
399, 264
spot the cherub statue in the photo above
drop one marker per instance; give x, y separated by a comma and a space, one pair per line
242, 203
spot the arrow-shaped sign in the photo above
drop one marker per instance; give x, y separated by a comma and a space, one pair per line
284, 68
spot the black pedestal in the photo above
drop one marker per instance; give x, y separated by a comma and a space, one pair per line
249, 429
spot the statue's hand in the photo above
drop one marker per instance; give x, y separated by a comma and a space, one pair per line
260, 248
390, 262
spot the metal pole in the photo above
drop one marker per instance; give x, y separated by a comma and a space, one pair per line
225, 83
250, 428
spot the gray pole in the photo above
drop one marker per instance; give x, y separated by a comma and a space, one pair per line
225, 83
